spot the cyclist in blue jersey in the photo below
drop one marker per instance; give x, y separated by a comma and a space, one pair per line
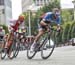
46, 20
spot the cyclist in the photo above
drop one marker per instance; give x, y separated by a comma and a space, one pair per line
13, 28
2, 34
45, 21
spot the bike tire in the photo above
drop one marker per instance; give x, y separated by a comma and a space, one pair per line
3, 52
12, 50
42, 49
17, 50
28, 50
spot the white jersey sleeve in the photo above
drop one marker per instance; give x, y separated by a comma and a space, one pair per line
13, 22
22, 25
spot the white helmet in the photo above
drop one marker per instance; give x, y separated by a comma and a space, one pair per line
56, 11
1, 27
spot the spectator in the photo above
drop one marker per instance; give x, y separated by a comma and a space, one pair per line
2, 34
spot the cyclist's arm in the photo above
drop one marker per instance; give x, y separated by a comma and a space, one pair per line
58, 21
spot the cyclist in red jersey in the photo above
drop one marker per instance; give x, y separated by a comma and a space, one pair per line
16, 24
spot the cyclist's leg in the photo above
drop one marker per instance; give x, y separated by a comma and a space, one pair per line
40, 33
9, 40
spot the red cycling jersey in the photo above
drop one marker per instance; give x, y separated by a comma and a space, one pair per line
16, 24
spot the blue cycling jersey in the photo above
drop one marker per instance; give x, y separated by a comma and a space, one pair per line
49, 17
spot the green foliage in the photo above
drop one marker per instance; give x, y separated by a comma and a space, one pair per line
65, 32
5, 28
58, 36
73, 30
67, 15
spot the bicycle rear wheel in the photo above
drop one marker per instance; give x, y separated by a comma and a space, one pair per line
12, 50
47, 48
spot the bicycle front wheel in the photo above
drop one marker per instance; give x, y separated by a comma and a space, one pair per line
17, 49
30, 54
47, 48
3, 51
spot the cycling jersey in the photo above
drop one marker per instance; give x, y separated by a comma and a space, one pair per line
50, 17
17, 24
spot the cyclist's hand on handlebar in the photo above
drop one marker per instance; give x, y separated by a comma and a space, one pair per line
48, 29
58, 28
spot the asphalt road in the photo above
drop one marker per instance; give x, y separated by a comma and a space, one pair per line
61, 56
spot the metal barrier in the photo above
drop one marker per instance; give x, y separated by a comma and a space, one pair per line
29, 39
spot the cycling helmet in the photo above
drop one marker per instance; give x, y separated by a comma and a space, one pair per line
56, 10
1, 27
21, 17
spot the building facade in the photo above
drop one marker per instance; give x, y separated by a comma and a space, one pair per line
41, 2
33, 5
5, 12
26, 4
